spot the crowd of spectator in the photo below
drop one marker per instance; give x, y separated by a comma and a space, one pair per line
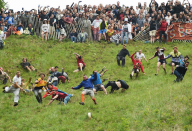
108, 21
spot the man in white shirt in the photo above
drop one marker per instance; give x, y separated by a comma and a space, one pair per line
15, 88
140, 55
96, 24
168, 18
126, 29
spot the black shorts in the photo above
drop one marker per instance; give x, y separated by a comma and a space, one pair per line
25, 64
162, 61
176, 63
123, 84
98, 87
135, 70
82, 68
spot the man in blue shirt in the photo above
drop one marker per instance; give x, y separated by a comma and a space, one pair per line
88, 88
98, 83
10, 19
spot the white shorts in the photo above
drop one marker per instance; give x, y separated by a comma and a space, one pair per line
152, 33
63, 32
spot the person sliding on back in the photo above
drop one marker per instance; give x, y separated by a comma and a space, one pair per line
80, 63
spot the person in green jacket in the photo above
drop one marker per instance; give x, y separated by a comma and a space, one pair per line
102, 29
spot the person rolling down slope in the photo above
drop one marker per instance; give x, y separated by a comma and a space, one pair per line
80, 63
180, 72
88, 88
137, 65
59, 96
117, 85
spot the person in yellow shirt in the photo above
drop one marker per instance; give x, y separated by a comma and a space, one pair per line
39, 84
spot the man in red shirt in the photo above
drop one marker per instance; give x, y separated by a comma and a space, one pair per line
80, 63
161, 59
137, 65
59, 96
163, 30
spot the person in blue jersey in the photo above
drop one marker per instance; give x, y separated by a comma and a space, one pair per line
98, 86
88, 88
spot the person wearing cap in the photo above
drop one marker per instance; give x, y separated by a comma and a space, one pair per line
137, 65
126, 29
15, 87
116, 85
176, 56
162, 60
39, 84
152, 29
180, 72
45, 29
163, 30
4, 76
27, 65
121, 55
50, 87
80, 63
59, 96
102, 29
88, 88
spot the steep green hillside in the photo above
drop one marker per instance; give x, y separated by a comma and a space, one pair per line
151, 103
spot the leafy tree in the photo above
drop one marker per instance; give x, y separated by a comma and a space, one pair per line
2, 4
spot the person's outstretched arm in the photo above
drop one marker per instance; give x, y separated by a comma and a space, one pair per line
132, 56
168, 56
103, 72
77, 87
55, 97
151, 58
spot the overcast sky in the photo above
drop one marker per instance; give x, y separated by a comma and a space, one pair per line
17, 5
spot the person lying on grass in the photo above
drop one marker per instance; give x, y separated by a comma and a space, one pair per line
116, 85
59, 96
27, 65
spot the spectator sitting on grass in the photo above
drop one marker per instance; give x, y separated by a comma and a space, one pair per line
73, 36
83, 36
27, 65
30, 29
115, 38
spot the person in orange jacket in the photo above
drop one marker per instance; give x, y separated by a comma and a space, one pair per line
137, 65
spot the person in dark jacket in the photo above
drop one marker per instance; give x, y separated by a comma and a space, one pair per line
73, 36
54, 76
152, 30
121, 55
180, 71
163, 30
44, 16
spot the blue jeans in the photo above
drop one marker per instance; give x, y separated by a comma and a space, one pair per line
124, 34
67, 98
81, 39
61, 91
54, 83
73, 38
178, 75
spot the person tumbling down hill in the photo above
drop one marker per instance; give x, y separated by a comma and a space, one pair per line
98, 83
27, 65
15, 87
4, 76
180, 72
88, 88
137, 65
116, 85
161, 56
80, 63
64, 97
39, 84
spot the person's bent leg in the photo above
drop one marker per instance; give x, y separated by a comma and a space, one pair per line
27, 67
94, 100
40, 96
77, 70
94, 90
118, 60
158, 64
75, 39
104, 90
164, 68
36, 95
123, 61
67, 98
83, 97
71, 38
178, 75
172, 67
81, 66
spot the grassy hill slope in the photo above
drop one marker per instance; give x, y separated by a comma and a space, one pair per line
151, 103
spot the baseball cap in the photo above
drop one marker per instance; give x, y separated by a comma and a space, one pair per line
126, 19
